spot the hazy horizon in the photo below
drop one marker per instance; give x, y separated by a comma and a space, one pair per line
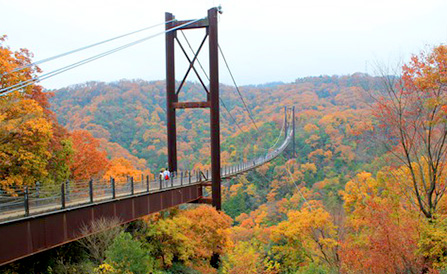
227, 84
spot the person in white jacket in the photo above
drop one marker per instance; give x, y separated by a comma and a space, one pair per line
166, 175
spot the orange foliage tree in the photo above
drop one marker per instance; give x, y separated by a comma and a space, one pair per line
121, 168
88, 160
382, 227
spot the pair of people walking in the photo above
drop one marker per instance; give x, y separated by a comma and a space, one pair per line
165, 175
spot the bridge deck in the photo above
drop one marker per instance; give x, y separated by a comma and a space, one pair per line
48, 224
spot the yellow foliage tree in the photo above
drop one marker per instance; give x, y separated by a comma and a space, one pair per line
310, 232
120, 169
25, 135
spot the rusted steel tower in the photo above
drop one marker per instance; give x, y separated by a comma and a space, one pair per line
212, 102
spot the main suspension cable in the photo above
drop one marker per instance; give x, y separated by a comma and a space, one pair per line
84, 48
237, 89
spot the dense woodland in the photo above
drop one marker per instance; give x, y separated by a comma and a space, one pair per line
362, 193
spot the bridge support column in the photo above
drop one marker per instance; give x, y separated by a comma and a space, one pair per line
171, 96
214, 111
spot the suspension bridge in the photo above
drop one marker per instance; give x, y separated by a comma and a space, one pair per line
36, 219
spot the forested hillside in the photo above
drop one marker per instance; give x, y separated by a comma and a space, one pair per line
131, 114
363, 192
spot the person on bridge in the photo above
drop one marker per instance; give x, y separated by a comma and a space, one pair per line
161, 173
166, 175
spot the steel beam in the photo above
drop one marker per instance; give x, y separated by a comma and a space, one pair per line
192, 105
199, 24
214, 110
171, 96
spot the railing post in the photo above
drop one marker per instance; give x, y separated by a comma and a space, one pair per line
63, 195
37, 189
132, 191
147, 183
90, 188
189, 173
207, 177
172, 179
293, 132
285, 122
112, 181
181, 178
26, 201
160, 179
67, 190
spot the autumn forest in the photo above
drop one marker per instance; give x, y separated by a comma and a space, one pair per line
363, 192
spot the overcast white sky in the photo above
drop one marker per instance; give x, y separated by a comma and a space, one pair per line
264, 41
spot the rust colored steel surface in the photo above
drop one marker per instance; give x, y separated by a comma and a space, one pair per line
199, 24
27, 236
192, 105
171, 96
214, 110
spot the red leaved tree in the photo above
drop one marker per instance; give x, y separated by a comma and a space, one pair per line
411, 111
88, 160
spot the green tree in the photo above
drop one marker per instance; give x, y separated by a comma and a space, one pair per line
127, 255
